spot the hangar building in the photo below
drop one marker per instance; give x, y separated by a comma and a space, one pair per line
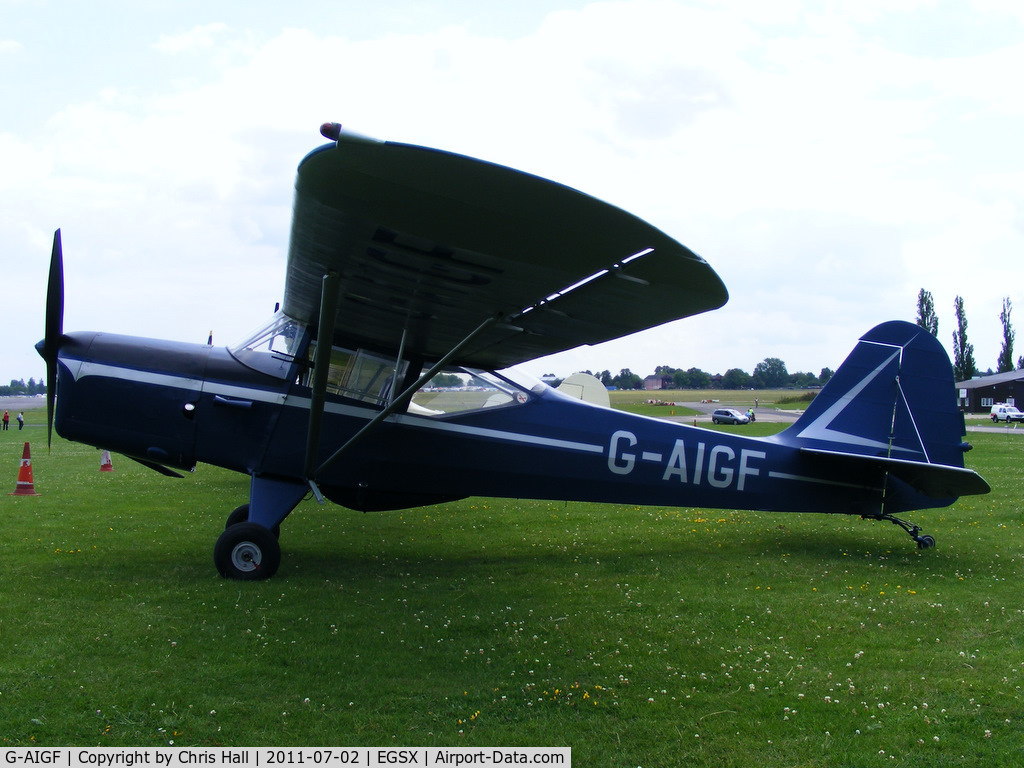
980, 394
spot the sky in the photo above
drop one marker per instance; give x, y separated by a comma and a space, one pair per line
829, 160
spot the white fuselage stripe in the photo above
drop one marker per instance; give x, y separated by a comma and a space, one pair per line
820, 481
277, 398
88, 368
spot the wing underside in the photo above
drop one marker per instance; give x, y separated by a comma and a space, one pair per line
429, 244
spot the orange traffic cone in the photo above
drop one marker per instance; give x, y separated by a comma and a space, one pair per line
106, 465
25, 487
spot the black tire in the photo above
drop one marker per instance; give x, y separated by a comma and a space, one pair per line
241, 515
926, 542
247, 552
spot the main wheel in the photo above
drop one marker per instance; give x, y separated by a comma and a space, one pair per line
247, 552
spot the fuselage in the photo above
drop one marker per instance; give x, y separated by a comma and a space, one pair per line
180, 404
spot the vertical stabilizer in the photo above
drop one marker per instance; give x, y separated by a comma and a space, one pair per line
893, 397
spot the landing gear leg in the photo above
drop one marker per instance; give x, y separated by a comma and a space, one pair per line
248, 548
923, 542
241, 515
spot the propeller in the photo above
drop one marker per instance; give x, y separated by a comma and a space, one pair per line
50, 345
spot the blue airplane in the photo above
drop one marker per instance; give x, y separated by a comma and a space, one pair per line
416, 279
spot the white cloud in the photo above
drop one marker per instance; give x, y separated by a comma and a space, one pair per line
201, 37
827, 164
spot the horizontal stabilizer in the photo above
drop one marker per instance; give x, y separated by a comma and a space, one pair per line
936, 481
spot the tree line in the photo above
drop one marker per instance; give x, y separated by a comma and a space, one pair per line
770, 373
964, 365
18, 388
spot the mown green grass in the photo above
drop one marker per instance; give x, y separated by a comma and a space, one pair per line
635, 635
730, 398
661, 403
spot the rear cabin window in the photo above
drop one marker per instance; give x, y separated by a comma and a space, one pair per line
459, 390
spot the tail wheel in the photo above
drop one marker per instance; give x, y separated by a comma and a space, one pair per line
247, 552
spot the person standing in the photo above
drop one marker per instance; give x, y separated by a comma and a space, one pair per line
21, 420
7, 420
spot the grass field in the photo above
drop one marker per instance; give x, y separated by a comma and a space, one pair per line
661, 403
638, 636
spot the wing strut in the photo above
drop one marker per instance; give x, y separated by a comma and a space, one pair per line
325, 337
401, 400
398, 365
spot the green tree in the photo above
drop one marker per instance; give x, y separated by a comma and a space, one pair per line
770, 373
963, 352
735, 378
802, 380
926, 317
627, 380
1005, 362
698, 379
825, 375
446, 380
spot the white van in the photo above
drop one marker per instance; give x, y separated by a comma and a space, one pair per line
1004, 412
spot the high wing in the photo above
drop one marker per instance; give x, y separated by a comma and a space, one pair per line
429, 244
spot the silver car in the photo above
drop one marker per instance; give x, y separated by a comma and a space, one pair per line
728, 416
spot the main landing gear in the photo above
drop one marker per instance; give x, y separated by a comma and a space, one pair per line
923, 542
248, 548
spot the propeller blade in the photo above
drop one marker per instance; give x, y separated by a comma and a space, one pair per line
54, 328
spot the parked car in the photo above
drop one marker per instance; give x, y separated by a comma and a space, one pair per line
1004, 412
728, 416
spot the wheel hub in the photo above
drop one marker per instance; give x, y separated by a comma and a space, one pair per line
246, 556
